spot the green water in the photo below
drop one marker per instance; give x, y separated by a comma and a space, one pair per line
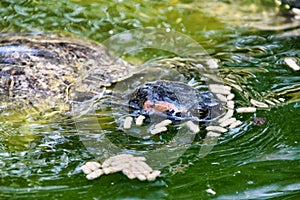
41, 161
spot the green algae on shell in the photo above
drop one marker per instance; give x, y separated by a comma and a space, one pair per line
49, 71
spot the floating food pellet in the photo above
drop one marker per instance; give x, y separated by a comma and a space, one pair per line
128, 173
291, 62
237, 87
281, 99
246, 110
140, 170
235, 124
158, 130
106, 163
86, 169
160, 127
210, 191
91, 169
152, 176
216, 128
119, 161
139, 167
145, 167
296, 11
123, 157
193, 127
137, 173
230, 105
228, 122
228, 115
258, 104
141, 177
229, 79
212, 64
95, 174
276, 101
107, 170
139, 120
219, 89
119, 167
221, 97
163, 123
127, 122
212, 134
92, 165
270, 102
230, 96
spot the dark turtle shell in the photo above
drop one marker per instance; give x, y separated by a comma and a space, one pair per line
45, 70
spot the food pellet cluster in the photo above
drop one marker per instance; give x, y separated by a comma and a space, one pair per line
227, 122
131, 166
223, 93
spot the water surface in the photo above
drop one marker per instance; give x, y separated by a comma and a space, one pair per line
41, 160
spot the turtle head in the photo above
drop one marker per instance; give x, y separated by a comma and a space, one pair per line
173, 100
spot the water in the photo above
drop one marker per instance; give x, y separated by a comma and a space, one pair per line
41, 159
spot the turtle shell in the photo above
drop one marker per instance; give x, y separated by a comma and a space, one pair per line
52, 69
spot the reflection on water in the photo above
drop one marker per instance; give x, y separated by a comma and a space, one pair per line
38, 159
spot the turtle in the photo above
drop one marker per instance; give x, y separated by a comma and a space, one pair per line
50, 72
39, 71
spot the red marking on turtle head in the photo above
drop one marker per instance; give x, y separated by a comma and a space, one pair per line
163, 106
147, 105
160, 106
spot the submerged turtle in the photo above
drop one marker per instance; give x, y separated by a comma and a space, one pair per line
41, 71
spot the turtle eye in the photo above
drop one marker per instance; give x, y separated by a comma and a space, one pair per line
178, 114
